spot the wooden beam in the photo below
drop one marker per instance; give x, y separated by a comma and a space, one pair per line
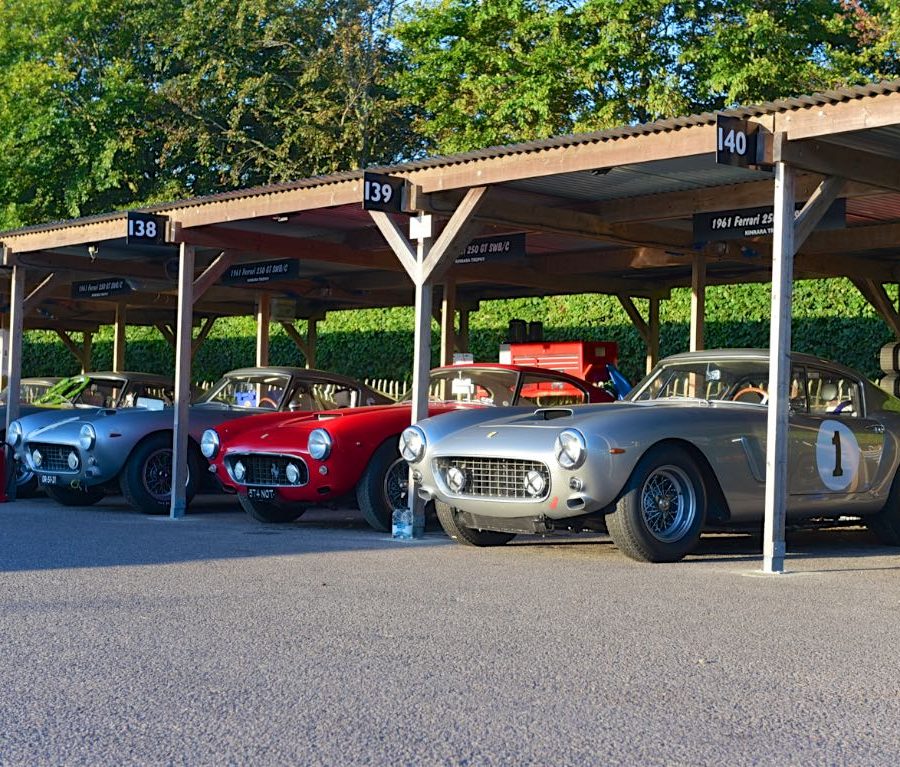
458, 231
311, 341
14, 359
295, 336
398, 242
40, 292
68, 234
166, 332
816, 207
212, 273
820, 120
462, 337
829, 160
875, 294
635, 316
653, 339
448, 317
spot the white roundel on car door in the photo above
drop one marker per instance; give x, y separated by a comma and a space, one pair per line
837, 455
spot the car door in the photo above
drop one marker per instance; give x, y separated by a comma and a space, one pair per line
836, 448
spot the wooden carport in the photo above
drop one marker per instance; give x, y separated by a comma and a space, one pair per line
608, 212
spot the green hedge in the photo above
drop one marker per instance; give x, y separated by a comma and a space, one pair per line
831, 319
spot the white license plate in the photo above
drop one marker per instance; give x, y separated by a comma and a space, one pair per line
48, 479
261, 493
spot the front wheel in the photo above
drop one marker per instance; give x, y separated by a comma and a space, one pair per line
468, 536
146, 479
886, 523
384, 487
265, 511
70, 496
659, 516
26, 481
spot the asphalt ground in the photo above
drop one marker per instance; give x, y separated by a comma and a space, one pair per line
216, 640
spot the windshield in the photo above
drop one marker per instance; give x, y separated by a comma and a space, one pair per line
483, 386
742, 380
263, 391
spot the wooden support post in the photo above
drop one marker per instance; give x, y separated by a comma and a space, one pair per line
462, 337
4, 341
311, 341
876, 295
653, 334
779, 371
119, 339
34, 298
182, 381
698, 302
166, 332
16, 329
87, 348
448, 315
262, 330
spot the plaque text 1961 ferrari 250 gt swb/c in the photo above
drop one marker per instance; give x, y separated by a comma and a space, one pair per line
281, 464
684, 452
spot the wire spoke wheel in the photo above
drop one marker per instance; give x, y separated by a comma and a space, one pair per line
157, 474
668, 503
396, 485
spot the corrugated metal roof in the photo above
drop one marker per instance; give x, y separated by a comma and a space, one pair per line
660, 126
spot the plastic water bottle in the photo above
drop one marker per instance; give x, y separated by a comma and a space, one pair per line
402, 524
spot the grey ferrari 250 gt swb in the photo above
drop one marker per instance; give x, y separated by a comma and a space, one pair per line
80, 458
684, 452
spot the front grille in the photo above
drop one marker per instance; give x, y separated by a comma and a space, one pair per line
268, 469
54, 458
494, 477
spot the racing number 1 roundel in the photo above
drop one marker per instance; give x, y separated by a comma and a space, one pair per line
837, 455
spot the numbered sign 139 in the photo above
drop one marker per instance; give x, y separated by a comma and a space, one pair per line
735, 141
382, 192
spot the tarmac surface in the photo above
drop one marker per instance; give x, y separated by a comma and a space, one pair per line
216, 640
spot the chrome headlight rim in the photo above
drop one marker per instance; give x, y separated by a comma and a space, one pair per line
456, 479
73, 461
319, 444
413, 443
209, 443
14, 434
87, 437
570, 449
239, 470
292, 469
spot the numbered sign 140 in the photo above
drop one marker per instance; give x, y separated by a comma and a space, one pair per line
735, 141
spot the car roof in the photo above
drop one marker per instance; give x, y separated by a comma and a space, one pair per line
757, 354
295, 371
124, 375
504, 366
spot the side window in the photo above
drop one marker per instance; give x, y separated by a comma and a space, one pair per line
549, 392
833, 394
797, 393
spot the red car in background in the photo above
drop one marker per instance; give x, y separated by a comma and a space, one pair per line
279, 464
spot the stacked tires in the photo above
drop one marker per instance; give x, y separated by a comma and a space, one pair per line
889, 359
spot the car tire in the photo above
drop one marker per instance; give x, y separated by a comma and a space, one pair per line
659, 516
468, 536
146, 478
26, 482
382, 486
886, 523
271, 513
70, 496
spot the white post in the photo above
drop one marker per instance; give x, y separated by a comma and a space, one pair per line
311, 336
448, 316
698, 302
779, 371
16, 329
652, 333
262, 330
119, 339
182, 381
421, 371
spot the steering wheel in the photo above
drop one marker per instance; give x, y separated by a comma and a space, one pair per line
763, 394
840, 408
272, 402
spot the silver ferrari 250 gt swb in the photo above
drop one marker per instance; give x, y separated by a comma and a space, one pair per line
684, 452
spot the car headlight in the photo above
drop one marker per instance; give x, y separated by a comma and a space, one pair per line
240, 471
456, 479
209, 443
14, 434
72, 461
87, 437
36, 458
570, 449
292, 473
412, 444
319, 444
